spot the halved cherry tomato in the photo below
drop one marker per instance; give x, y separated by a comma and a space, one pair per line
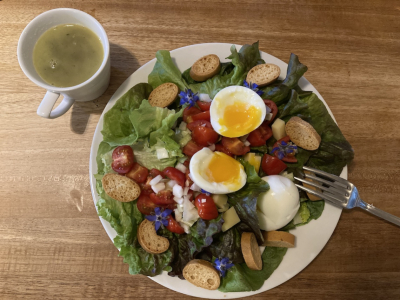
204, 136
163, 197
138, 173
190, 111
191, 126
206, 207
235, 146
174, 226
205, 115
287, 158
155, 172
272, 165
122, 157
146, 187
219, 147
174, 174
259, 136
274, 110
191, 148
204, 106
145, 204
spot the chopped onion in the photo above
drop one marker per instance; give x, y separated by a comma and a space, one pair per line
195, 187
267, 109
243, 138
268, 116
156, 180
185, 227
162, 153
187, 182
246, 143
158, 187
212, 147
178, 215
171, 183
181, 167
177, 191
204, 98
185, 191
180, 207
183, 126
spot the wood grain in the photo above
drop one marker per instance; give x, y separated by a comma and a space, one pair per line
52, 245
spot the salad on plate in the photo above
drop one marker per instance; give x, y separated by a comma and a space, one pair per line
195, 170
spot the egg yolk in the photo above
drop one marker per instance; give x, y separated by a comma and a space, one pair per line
238, 119
223, 168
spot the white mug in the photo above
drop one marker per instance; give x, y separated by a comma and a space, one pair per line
91, 89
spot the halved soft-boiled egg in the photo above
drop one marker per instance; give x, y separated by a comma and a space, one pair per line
236, 111
216, 172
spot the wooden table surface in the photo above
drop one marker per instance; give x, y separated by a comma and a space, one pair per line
52, 244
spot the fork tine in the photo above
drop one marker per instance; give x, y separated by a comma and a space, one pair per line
332, 191
326, 197
330, 176
335, 184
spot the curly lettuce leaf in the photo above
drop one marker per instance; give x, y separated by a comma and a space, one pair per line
252, 176
117, 127
147, 156
228, 244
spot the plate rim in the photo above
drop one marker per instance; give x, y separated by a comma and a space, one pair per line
92, 163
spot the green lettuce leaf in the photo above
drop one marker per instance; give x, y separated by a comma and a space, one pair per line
147, 157
252, 176
228, 244
104, 148
295, 71
117, 127
242, 279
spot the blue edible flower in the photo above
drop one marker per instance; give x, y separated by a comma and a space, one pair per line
222, 265
205, 192
253, 87
284, 149
160, 217
188, 97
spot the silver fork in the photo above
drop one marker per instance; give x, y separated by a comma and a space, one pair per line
340, 192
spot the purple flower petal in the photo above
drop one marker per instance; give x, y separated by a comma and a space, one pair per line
151, 218
157, 210
166, 213
164, 222
157, 225
283, 143
281, 155
274, 149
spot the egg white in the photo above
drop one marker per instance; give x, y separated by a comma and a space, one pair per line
278, 206
199, 164
232, 94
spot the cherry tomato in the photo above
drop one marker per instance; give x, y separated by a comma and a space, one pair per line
204, 136
138, 173
146, 187
204, 106
205, 115
219, 147
175, 174
122, 157
145, 205
174, 226
194, 124
163, 197
235, 146
274, 110
155, 172
259, 136
206, 207
288, 158
190, 111
191, 148
272, 165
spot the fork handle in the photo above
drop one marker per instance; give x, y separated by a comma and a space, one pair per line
378, 212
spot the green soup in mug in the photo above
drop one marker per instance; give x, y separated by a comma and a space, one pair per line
67, 55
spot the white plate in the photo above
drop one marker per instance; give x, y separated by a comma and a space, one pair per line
310, 239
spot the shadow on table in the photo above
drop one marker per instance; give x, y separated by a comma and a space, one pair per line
123, 64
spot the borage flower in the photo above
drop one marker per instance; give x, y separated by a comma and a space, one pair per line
160, 217
188, 97
284, 149
205, 192
222, 265
253, 87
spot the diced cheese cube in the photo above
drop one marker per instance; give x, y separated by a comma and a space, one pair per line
220, 200
230, 219
278, 129
177, 190
223, 209
254, 160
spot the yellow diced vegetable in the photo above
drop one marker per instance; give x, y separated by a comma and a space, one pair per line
278, 129
254, 160
230, 219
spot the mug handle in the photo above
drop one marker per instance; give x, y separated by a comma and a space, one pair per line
45, 108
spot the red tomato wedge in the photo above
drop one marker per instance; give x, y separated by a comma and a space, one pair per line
122, 157
155, 172
163, 198
206, 207
235, 146
190, 111
260, 136
219, 147
205, 115
138, 173
204, 136
288, 158
191, 148
274, 110
272, 165
204, 106
194, 124
174, 226
145, 204
175, 174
